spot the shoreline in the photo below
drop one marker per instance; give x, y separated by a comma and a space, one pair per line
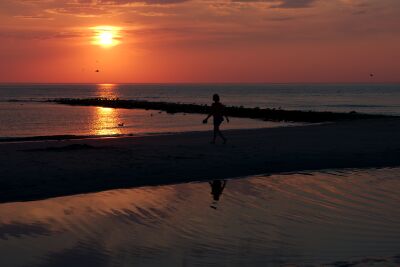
43, 169
69, 137
23, 139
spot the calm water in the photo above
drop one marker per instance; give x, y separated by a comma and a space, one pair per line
303, 219
39, 119
33, 119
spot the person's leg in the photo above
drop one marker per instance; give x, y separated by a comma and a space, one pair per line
222, 136
216, 129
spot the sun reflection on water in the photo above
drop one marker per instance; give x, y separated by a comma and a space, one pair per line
107, 90
106, 121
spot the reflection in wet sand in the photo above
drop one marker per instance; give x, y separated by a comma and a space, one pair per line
314, 218
217, 187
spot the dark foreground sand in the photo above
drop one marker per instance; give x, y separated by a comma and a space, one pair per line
36, 170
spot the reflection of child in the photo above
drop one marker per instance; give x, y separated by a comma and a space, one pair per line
217, 111
217, 187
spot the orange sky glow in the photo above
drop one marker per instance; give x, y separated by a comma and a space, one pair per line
157, 41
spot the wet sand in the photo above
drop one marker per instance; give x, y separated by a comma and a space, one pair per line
332, 218
37, 170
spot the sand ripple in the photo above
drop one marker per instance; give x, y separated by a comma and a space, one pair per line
319, 218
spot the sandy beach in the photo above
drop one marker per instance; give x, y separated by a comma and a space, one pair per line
42, 169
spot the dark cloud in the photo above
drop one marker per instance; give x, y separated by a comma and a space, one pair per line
39, 35
96, 8
39, 16
150, 2
281, 18
80, 10
295, 3
282, 3
89, 8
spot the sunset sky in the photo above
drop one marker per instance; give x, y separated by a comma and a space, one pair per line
199, 41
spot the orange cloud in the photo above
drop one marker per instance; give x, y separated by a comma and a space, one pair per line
199, 40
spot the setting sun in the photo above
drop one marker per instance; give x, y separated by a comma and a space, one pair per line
106, 36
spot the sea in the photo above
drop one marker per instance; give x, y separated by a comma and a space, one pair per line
23, 112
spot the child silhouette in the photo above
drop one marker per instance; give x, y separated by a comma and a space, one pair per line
217, 111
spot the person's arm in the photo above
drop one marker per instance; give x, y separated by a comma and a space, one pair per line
226, 117
206, 119
209, 115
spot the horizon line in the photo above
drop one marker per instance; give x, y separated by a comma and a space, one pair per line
199, 83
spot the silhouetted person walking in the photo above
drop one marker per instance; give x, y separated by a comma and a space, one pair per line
217, 187
217, 111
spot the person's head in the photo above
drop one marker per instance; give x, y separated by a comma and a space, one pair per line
216, 98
